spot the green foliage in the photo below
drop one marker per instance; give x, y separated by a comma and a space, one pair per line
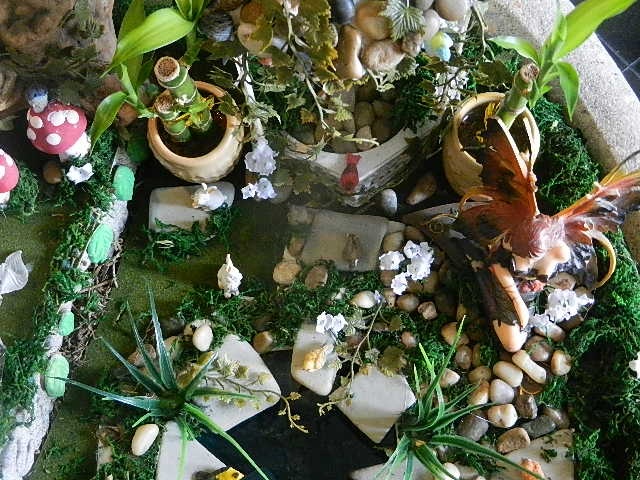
414, 105
404, 19
564, 168
591, 463
24, 198
170, 244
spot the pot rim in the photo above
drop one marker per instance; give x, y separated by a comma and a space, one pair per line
229, 137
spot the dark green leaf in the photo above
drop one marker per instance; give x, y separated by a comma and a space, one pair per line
148, 362
164, 359
147, 382
151, 405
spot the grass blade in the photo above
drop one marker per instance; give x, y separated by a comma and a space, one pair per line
429, 459
167, 373
184, 438
144, 403
148, 362
399, 454
142, 419
147, 382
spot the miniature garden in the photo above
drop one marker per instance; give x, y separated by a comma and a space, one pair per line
309, 239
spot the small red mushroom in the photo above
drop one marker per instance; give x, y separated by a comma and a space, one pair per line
9, 176
56, 128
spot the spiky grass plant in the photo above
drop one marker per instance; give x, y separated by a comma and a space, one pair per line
166, 397
428, 423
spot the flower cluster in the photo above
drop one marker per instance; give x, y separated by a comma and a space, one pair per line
562, 304
261, 159
419, 256
263, 190
327, 323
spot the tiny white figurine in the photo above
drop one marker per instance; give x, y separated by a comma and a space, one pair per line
229, 278
13, 274
208, 198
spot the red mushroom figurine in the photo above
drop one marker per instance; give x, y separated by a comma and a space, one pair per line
9, 176
56, 128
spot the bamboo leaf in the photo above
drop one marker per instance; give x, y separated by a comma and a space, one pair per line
159, 29
473, 447
570, 84
147, 382
583, 20
167, 374
133, 17
520, 45
106, 114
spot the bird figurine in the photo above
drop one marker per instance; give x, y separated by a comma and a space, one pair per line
349, 179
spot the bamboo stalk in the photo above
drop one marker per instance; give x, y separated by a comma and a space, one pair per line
177, 128
515, 101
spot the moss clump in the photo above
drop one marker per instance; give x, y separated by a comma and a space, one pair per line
564, 168
24, 198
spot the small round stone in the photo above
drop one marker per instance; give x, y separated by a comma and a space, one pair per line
503, 416
528, 366
473, 426
143, 438
452, 10
317, 277
389, 202
449, 332
480, 395
57, 370
511, 440
296, 244
67, 323
479, 374
463, 357
560, 363
263, 341
407, 302
408, 339
501, 392
449, 378
285, 273
428, 310
413, 234
508, 372
364, 299
393, 242
202, 337
389, 297
51, 172
539, 348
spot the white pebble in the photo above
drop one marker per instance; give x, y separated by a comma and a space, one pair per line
531, 368
143, 438
476, 355
448, 378
539, 349
501, 392
202, 337
503, 416
480, 395
452, 469
364, 299
463, 357
508, 372
560, 363
552, 331
479, 374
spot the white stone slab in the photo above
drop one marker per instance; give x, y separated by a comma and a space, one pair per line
559, 468
173, 205
197, 458
319, 381
377, 402
228, 415
369, 473
328, 237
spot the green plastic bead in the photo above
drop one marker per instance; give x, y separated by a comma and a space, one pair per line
57, 367
99, 244
123, 181
67, 323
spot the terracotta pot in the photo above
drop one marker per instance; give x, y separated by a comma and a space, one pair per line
206, 168
461, 169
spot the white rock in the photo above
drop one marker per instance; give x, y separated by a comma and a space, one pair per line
228, 415
143, 438
503, 416
479, 374
539, 348
452, 469
463, 357
501, 392
13, 273
364, 299
373, 473
174, 205
508, 372
202, 338
560, 363
80, 174
480, 395
559, 468
319, 381
449, 378
197, 458
551, 330
377, 401
531, 368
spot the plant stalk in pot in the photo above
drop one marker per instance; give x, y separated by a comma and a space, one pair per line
463, 143
196, 141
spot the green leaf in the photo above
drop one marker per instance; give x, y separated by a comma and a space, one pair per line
570, 84
583, 20
132, 18
105, 115
146, 381
148, 362
404, 18
197, 378
159, 29
217, 392
556, 39
520, 45
151, 405
142, 419
429, 459
470, 446
167, 374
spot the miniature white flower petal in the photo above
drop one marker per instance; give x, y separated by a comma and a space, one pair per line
56, 118
322, 320
419, 268
399, 283
564, 304
426, 251
53, 139
208, 199
13, 273
390, 260
411, 249
265, 190
80, 174
338, 323
249, 191
35, 122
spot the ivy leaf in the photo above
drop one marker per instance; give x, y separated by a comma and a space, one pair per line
307, 116
294, 101
220, 50
404, 19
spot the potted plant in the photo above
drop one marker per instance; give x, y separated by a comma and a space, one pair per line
462, 145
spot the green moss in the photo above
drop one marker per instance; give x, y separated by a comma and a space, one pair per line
24, 198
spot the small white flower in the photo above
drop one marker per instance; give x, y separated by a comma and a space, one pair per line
564, 304
249, 191
411, 249
80, 174
539, 320
261, 159
635, 366
325, 322
419, 268
390, 260
399, 283
265, 189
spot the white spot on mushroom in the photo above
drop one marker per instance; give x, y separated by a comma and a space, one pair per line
72, 116
56, 118
31, 135
53, 139
2, 170
7, 159
35, 122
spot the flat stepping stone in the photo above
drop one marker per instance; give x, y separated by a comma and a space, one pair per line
377, 402
371, 473
319, 381
228, 415
197, 458
174, 205
328, 237
559, 467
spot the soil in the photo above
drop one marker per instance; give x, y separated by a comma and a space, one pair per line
200, 143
